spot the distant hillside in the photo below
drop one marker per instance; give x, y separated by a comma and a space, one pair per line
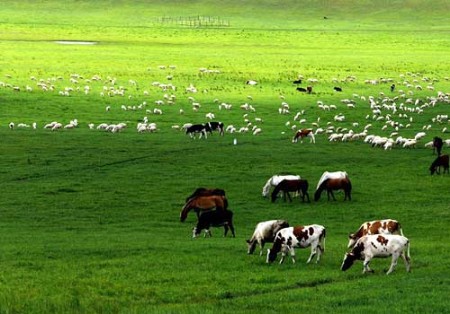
311, 14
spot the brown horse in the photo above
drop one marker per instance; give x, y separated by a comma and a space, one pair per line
334, 184
299, 186
205, 192
203, 203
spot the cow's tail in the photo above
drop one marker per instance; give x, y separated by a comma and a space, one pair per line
400, 229
322, 240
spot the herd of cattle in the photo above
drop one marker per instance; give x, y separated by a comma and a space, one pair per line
379, 238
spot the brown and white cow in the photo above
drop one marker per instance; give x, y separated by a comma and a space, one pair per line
378, 245
302, 134
265, 232
385, 226
288, 239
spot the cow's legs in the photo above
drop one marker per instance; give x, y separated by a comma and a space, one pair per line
407, 260
292, 252
393, 264
366, 267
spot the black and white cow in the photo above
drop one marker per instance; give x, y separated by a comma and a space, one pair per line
214, 125
265, 232
288, 239
378, 245
197, 128
214, 218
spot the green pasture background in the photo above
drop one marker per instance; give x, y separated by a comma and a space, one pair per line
89, 220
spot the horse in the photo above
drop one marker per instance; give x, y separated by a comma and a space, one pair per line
304, 133
441, 161
437, 145
331, 175
335, 184
299, 186
203, 203
205, 192
275, 180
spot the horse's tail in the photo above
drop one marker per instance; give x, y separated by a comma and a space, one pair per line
225, 203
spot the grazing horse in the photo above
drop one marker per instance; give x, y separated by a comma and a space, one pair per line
203, 203
304, 133
437, 145
334, 184
441, 161
275, 180
205, 192
286, 186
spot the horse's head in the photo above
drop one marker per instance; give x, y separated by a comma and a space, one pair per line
432, 170
317, 195
184, 211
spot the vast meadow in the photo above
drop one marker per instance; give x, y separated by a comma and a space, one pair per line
89, 218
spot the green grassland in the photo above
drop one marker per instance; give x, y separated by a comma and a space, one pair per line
89, 220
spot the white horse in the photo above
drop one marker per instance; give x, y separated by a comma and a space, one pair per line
275, 180
331, 175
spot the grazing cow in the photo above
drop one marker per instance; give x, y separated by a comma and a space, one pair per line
214, 218
301, 89
377, 245
213, 126
265, 232
197, 128
441, 161
287, 239
304, 133
437, 145
385, 226
338, 89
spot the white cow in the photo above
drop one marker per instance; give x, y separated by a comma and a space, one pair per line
275, 180
265, 232
377, 245
288, 239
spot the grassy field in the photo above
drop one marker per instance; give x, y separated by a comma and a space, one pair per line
89, 220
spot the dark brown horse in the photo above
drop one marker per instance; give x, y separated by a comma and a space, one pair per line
334, 184
441, 161
286, 186
205, 192
203, 203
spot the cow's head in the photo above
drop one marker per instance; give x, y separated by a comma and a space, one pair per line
195, 232
349, 259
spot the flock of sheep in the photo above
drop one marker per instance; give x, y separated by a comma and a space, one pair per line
387, 117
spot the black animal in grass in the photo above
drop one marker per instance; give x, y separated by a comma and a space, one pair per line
437, 145
441, 161
214, 218
338, 89
300, 186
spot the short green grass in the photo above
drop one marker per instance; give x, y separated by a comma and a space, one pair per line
89, 219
